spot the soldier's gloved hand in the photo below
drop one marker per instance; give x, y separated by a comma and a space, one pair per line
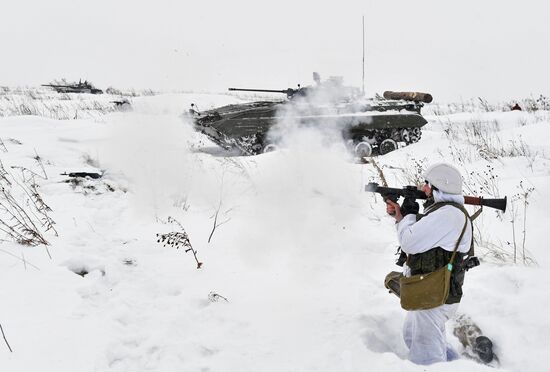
409, 206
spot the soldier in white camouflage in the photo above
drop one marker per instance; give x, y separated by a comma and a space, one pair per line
428, 242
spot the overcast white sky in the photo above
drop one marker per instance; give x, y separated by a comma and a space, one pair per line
452, 49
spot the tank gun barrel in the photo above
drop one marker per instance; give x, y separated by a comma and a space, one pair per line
76, 85
289, 92
55, 85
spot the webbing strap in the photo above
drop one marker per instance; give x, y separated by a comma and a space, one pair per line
435, 207
459, 238
476, 214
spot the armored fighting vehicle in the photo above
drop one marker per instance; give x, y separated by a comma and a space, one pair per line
80, 87
368, 126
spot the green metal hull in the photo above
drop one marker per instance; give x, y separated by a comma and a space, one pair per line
246, 126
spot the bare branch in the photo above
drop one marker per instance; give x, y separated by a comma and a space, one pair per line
3, 146
19, 218
4, 174
19, 258
39, 161
23, 170
380, 172
217, 212
178, 239
215, 297
3, 335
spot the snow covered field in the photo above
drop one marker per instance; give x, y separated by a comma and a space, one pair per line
292, 278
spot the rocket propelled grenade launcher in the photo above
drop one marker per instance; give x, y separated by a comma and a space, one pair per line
393, 194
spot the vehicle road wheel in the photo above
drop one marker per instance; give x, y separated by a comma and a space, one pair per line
269, 148
387, 145
405, 136
414, 134
363, 149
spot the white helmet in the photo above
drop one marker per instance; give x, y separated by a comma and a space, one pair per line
445, 177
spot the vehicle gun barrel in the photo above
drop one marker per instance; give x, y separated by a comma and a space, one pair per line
55, 85
259, 90
289, 92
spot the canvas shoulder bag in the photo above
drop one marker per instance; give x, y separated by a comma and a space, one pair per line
426, 291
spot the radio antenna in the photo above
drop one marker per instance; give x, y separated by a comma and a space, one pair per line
363, 89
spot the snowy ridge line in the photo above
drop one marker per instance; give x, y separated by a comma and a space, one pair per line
44, 102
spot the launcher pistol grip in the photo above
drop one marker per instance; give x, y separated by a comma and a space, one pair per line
392, 197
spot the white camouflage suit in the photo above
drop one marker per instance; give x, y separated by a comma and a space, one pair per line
424, 330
